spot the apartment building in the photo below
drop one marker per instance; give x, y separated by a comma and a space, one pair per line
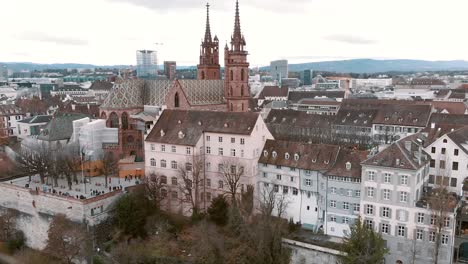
183, 139
393, 202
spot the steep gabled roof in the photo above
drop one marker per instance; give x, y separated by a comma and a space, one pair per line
60, 127
402, 154
273, 91
319, 157
295, 96
460, 137
354, 157
185, 127
404, 115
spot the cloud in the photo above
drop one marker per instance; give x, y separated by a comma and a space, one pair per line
45, 37
350, 39
164, 5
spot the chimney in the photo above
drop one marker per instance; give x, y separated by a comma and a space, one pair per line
397, 162
73, 106
432, 125
408, 145
348, 166
87, 105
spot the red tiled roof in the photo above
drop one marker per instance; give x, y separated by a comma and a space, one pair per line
274, 91
355, 157
457, 108
404, 115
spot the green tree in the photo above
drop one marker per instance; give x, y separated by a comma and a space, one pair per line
131, 212
363, 245
218, 211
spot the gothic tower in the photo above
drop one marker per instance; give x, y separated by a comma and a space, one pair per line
209, 68
236, 70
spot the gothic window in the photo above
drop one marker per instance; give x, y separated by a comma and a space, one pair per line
242, 90
232, 108
114, 120
202, 76
176, 99
103, 115
124, 120
231, 93
242, 74
232, 75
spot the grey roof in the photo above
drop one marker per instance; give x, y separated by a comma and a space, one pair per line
182, 127
60, 127
137, 93
36, 119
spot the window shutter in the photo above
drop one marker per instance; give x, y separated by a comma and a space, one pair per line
381, 211
406, 232
406, 216
416, 217
390, 213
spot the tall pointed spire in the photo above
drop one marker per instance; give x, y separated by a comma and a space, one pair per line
237, 40
208, 29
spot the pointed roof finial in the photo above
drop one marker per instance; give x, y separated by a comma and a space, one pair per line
208, 29
237, 39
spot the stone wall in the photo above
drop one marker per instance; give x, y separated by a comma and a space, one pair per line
303, 253
36, 210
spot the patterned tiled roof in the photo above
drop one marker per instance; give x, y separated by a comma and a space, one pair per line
136, 93
203, 92
126, 94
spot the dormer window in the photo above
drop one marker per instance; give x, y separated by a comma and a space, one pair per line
179, 122
400, 119
226, 125
162, 133
199, 123
314, 160
265, 153
386, 118
181, 134
348, 166
326, 161
274, 154
286, 156
296, 157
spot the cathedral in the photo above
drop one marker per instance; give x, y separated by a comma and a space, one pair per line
208, 92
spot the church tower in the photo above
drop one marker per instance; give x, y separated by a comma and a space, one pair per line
236, 70
208, 67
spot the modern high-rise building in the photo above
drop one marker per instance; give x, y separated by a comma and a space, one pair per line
279, 69
3, 73
147, 63
170, 69
306, 77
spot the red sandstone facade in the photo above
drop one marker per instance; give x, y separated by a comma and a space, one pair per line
236, 70
209, 68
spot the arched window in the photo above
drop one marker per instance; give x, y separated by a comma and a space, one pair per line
232, 108
103, 115
242, 106
163, 163
203, 75
114, 120
124, 120
163, 179
232, 75
153, 162
176, 100
174, 165
242, 90
242, 74
230, 92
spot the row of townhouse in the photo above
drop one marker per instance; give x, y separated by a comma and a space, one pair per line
325, 186
362, 125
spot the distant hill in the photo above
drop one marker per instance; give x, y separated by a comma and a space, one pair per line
29, 66
344, 66
374, 66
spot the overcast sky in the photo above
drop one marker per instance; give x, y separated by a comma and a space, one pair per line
106, 32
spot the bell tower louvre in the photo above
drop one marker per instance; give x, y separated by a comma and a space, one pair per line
208, 67
236, 70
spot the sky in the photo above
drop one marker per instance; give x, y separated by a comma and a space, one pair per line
108, 32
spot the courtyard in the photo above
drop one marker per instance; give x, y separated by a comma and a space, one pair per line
84, 189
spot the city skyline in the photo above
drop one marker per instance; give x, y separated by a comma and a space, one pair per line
300, 31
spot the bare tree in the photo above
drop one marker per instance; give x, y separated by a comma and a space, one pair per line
8, 224
35, 158
67, 240
442, 204
271, 201
232, 172
155, 189
73, 160
192, 176
109, 165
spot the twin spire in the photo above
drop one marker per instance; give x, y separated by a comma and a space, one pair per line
237, 39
